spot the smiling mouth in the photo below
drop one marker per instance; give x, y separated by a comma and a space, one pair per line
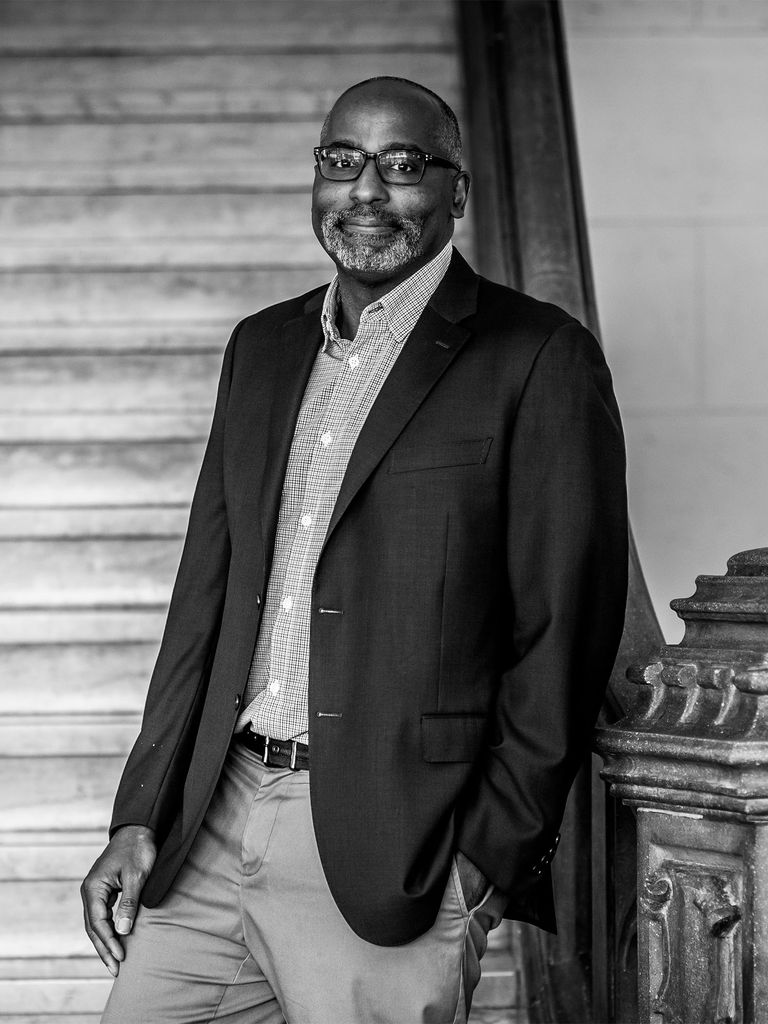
366, 227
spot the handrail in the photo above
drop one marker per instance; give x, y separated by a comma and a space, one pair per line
531, 231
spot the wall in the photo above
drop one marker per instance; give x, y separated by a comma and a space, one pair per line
672, 118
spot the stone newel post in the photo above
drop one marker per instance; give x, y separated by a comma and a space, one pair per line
692, 759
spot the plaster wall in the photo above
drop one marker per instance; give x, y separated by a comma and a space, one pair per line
671, 106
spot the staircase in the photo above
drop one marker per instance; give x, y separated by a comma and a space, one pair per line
155, 166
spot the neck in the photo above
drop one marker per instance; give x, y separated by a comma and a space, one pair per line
356, 292
354, 296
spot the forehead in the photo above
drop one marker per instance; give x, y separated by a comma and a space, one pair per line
376, 118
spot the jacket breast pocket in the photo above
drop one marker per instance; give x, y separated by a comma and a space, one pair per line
452, 737
407, 458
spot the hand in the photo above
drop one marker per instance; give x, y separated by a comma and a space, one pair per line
474, 884
123, 866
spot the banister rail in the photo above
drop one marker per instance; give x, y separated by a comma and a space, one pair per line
531, 234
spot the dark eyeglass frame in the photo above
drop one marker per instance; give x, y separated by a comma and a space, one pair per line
429, 158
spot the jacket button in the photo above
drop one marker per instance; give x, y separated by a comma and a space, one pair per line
237, 699
258, 600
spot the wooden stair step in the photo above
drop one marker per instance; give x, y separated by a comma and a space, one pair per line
146, 26
203, 333
94, 521
89, 571
161, 294
157, 229
478, 1015
91, 427
59, 996
113, 382
56, 1018
141, 472
220, 86
41, 793
82, 625
53, 966
498, 985
75, 677
499, 939
42, 919
41, 856
95, 230
66, 734
176, 156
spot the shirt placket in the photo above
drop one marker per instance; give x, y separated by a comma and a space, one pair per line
289, 649
335, 433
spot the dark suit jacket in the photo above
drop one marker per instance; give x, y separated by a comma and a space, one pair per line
478, 551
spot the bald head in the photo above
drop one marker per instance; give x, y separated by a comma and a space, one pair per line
439, 120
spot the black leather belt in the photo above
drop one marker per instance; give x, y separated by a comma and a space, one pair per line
276, 753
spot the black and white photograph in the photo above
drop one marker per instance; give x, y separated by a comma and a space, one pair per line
383, 512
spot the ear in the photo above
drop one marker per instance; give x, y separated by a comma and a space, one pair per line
461, 184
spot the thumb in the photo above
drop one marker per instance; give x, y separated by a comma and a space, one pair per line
128, 906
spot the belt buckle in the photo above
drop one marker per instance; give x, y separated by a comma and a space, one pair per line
265, 755
294, 753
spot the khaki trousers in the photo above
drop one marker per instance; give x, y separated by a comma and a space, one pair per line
250, 932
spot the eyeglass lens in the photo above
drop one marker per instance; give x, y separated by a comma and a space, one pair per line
396, 166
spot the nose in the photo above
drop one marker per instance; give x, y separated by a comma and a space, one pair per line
369, 188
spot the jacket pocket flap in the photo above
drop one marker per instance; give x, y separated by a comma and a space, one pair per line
436, 456
454, 737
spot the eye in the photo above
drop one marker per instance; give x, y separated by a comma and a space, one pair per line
403, 162
341, 158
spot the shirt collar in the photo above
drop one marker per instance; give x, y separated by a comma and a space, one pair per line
402, 306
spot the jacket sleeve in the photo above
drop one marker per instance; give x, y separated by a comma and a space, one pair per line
567, 573
149, 788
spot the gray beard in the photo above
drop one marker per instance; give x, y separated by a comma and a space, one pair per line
403, 248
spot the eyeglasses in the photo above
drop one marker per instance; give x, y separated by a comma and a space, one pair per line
395, 166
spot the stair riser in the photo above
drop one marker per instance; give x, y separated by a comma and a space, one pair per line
165, 230
161, 382
218, 85
75, 677
185, 295
69, 793
91, 571
171, 156
269, 25
122, 473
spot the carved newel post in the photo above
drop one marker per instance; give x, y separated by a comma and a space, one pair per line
692, 759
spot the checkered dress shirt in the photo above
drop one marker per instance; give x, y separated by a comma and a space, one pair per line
343, 385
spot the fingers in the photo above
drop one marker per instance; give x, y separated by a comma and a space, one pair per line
124, 865
98, 898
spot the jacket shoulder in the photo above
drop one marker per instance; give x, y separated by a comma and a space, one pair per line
500, 305
272, 317
528, 333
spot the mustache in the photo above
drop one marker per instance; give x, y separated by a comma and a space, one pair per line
362, 211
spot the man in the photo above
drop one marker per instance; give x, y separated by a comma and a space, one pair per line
399, 600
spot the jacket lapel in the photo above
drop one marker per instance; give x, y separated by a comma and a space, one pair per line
432, 346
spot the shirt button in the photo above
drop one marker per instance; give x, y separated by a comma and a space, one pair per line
326, 439
287, 603
274, 687
306, 520
354, 362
